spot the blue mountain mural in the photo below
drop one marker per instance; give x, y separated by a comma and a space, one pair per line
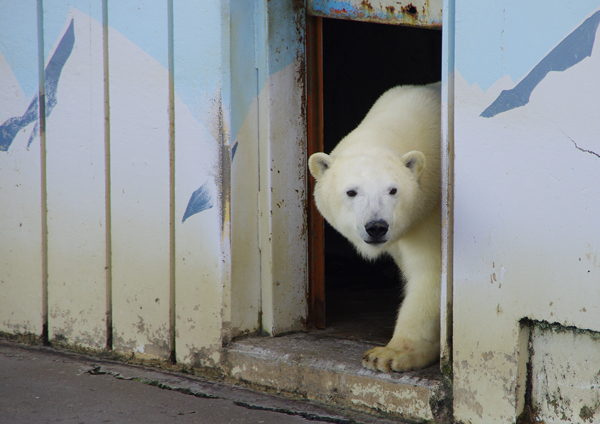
573, 49
199, 201
12, 126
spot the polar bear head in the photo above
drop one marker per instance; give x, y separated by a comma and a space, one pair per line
372, 198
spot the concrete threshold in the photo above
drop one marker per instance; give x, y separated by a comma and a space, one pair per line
328, 370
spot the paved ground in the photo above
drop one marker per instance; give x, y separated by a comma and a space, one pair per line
44, 385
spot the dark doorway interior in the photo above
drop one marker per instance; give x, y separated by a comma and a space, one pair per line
360, 62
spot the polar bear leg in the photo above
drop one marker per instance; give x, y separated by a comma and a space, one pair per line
416, 340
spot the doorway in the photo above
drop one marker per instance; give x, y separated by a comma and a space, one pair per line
351, 65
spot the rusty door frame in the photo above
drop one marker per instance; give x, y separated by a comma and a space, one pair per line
316, 224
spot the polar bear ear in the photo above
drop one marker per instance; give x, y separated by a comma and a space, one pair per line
318, 164
415, 161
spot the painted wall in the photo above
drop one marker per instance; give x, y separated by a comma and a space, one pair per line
268, 169
526, 206
157, 205
119, 199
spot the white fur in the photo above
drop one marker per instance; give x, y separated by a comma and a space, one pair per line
391, 161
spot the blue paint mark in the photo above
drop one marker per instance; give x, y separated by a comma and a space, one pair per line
235, 146
12, 126
573, 49
200, 201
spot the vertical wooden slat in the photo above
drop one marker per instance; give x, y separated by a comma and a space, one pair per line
196, 73
107, 179
140, 177
447, 156
75, 177
247, 80
21, 272
316, 230
282, 200
172, 253
43, 170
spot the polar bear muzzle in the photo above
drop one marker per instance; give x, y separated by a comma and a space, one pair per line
376, 230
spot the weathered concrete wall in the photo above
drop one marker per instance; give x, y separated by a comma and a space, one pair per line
526, 238
137, 212
565, 374
127, 172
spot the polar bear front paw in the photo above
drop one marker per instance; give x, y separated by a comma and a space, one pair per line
388, 359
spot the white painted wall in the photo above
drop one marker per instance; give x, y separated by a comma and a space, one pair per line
140, 174
20, 189
526, 201
76, 191
152, 221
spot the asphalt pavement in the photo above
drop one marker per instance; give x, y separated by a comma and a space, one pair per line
45, 385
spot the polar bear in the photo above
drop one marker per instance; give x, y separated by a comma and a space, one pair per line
381, 188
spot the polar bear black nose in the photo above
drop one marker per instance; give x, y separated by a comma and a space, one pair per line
377, 229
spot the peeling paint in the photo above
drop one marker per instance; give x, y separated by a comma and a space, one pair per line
422, 13
204, 357
565, 377
468, 398
487, 356
157, 346
79, 329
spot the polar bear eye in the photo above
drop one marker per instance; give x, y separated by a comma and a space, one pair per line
351, 193
393, 191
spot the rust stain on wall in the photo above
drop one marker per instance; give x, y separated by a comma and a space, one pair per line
366, 6
416, 13
409, 9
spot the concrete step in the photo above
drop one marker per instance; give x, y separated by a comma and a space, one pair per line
328, 370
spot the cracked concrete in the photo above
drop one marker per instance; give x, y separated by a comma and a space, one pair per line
582, 149
328, 370
40, 384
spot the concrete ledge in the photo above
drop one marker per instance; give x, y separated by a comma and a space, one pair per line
325, 369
